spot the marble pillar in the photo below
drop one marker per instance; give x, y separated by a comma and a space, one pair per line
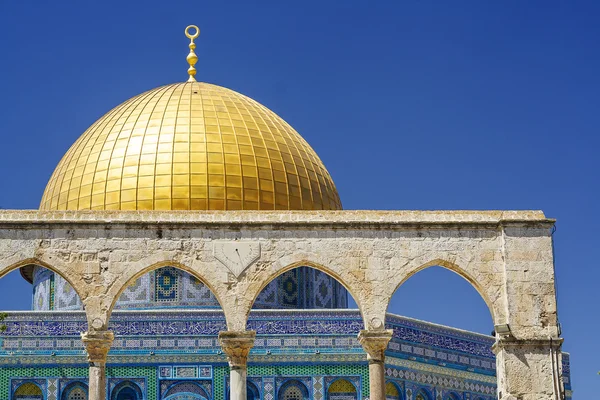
97, 344
236, 345
375, 342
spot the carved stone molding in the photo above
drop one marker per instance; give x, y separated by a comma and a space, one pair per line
97, 344
527, 344
237, 256
375, 343
237, 345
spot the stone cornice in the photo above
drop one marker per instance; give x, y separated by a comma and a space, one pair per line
352, 219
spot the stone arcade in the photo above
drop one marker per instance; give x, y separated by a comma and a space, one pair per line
198, 199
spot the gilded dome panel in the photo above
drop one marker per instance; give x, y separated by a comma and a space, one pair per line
190, 146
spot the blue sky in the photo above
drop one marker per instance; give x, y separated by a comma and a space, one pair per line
410, 104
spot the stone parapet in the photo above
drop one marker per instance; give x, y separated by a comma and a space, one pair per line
354, 218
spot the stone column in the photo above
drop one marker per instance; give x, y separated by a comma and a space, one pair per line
237, 345
97, 344
529, 369
375, 343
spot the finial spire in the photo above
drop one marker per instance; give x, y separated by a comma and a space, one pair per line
192, 58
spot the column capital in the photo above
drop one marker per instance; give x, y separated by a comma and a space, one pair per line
375, 343
97, 344
237, 345
505, 343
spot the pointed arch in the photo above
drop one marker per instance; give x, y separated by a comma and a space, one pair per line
126, 390
462, 272
310, 264
340, 389
28, 390
144, 269
184, 391
37, 262
293, 389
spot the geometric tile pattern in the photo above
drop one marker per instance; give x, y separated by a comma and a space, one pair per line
52, 389
41, 288
300, 288
317, 387
167, 285
169, 388
196, 292
65, 296
269, 388
446, 381
136, 293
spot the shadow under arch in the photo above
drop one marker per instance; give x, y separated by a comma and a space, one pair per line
309, 264
153, 267
30, 263
457, 270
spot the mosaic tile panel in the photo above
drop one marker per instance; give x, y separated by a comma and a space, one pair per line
65, 296
202, 388
318, 387
166, 285
269, 388
52, 389
42, 281
136, 293
194, 291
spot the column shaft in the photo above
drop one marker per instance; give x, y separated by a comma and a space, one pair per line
97, 345
238, 383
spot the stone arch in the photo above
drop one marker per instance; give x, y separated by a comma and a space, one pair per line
128, 388
59, 270
494, 306
139, 269
283, 268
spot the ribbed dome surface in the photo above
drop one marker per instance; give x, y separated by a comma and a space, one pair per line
190, 146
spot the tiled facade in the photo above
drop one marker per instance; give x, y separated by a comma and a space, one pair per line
167, 287
313, 354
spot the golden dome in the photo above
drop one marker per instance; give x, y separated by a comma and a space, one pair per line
190, 146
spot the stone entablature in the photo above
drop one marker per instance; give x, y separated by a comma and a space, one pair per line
103, 252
